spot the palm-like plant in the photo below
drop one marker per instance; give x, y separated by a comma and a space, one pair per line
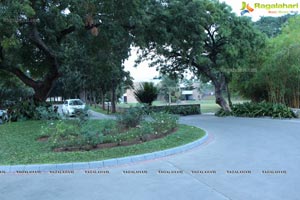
146, 93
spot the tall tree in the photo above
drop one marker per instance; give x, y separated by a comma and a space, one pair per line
272, 26
277, 77
33, 34
208, 39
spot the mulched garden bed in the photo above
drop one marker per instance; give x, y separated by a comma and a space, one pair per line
146, 138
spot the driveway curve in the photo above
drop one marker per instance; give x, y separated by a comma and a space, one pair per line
248, 159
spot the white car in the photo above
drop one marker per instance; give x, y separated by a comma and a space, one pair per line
70, 106
3, 115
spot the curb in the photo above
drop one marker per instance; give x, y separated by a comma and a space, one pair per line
101, 164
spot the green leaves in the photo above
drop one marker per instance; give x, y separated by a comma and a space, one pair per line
146, 93
28, 10
10, 43
278, 69
261, 109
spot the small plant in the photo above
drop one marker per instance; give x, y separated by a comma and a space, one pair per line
223, 113
131, 117
46, 113
147, 128
164, 122
146, 93
109, 128
82, 115
72, 134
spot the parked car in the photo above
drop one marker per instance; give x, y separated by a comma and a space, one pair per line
70, 106
3, 115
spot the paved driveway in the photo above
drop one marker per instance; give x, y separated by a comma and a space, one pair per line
246, 159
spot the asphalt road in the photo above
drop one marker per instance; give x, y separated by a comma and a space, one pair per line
247, 159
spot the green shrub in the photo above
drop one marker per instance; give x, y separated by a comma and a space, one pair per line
178, 109
62, 134
29, 110
46, 113
109, 128
72, 133
146, 93
82, 115
131, 117
163, 122
82, 134
90, 135
223, 113
258, 110
146, 128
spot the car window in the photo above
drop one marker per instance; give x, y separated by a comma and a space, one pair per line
76, 103
66, 102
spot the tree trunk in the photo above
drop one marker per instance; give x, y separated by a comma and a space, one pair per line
41, 92
220, 100
113, 100
228, 95
218, 80
41, 88
103, 100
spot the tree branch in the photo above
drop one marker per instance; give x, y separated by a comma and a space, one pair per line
204, 69
37, 40
17, 72
1, 53
23, 77
71, 29
89, 27
210, 35
65, 32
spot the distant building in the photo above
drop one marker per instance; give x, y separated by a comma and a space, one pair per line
190, 93
129, 97
187, 94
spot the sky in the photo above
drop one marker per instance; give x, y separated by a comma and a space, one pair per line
144, 73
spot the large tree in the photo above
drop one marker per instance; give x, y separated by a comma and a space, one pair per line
277, 77
271, 26
203, 36
33, 34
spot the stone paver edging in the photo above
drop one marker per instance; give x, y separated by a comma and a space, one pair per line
103, 163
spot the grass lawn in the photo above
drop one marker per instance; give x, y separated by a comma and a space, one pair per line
99, 109
18, 145
209, 108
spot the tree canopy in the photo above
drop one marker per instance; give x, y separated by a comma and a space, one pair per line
207, 39
76, 47
35, 36
277, 77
